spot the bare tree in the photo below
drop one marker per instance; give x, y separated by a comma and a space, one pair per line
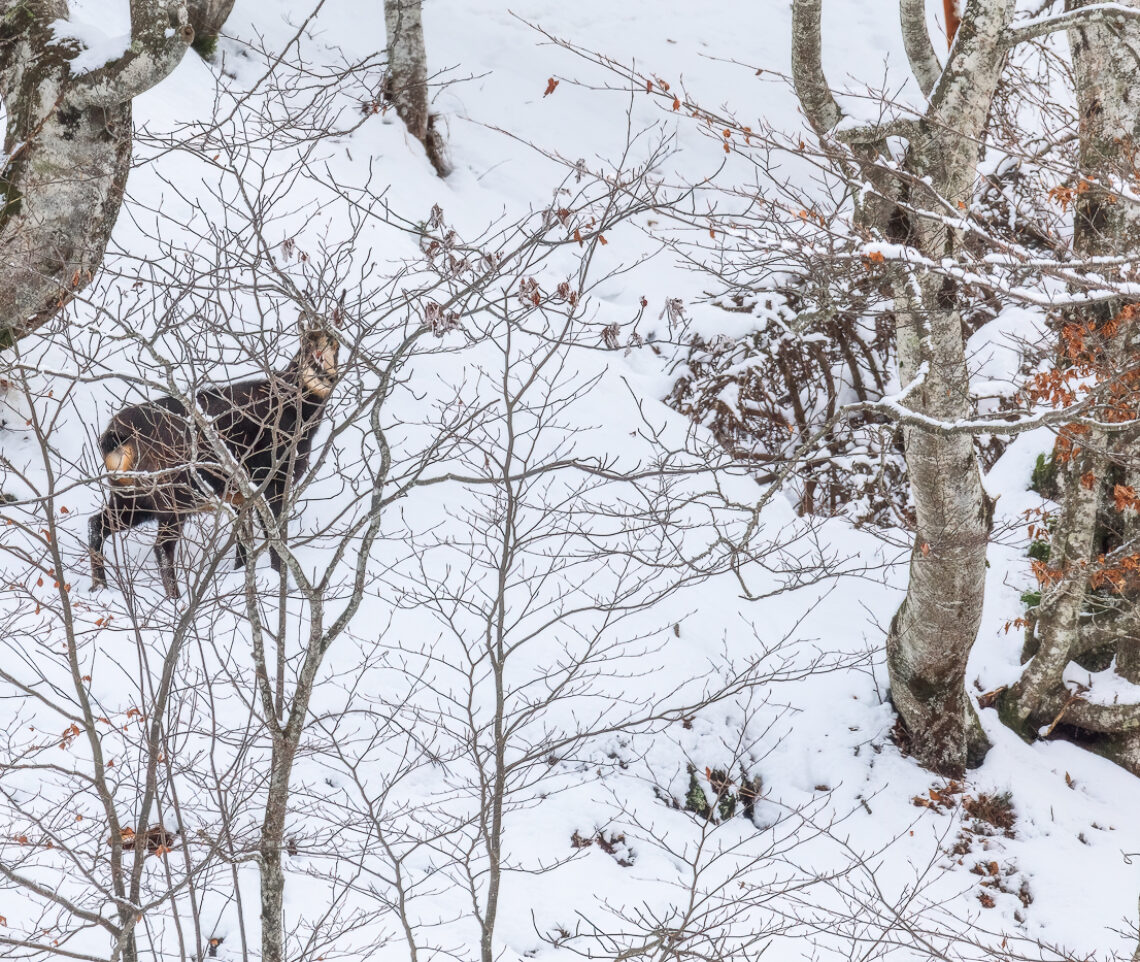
406, 85
68, 149
923, 228
931, 635
478, 598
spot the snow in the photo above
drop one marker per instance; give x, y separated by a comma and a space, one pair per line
101, 28
837, 857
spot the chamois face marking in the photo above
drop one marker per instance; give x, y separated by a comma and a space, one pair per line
121, 459
319, 371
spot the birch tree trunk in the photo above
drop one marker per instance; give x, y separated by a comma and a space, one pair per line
68, 151
406, 85
931, 635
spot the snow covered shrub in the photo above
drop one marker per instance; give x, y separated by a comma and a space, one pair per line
774, 395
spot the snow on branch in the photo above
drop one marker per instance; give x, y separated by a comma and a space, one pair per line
159, 37
894, 408
1041, 26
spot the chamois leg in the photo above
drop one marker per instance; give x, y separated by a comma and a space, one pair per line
118, 514
169, 533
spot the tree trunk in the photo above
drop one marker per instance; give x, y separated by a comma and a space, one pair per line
1106, 223
406, 84
68, 147
207, 17
932, 633
271, 844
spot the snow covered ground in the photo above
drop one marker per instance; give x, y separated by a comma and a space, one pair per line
847, 850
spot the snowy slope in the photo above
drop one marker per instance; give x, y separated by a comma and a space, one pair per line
836, 860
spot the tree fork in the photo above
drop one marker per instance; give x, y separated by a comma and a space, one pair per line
68, 146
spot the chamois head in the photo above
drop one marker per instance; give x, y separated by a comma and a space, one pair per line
317, 359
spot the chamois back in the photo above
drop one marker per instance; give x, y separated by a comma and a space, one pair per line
162, 464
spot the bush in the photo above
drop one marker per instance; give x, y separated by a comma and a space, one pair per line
205, 45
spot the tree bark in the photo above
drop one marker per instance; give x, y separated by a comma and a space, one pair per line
930, 638
406, 84
68, 151
1107, 223
271, 844
207, 17
916, 41
931, 635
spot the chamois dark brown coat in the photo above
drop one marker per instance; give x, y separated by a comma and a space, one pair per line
162, 466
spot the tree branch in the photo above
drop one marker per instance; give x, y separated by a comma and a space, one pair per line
919, 49
159, 38
863, 134
822, 112
1041, 26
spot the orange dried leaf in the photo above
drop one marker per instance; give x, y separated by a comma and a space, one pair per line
1125, 497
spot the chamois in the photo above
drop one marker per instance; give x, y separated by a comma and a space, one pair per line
163, 467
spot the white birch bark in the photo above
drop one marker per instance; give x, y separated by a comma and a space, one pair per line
931, 635
407, 86
68, 151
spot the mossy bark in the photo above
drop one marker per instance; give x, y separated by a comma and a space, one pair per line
1106, 224
68, 151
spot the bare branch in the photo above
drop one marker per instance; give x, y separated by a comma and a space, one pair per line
1028, 30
